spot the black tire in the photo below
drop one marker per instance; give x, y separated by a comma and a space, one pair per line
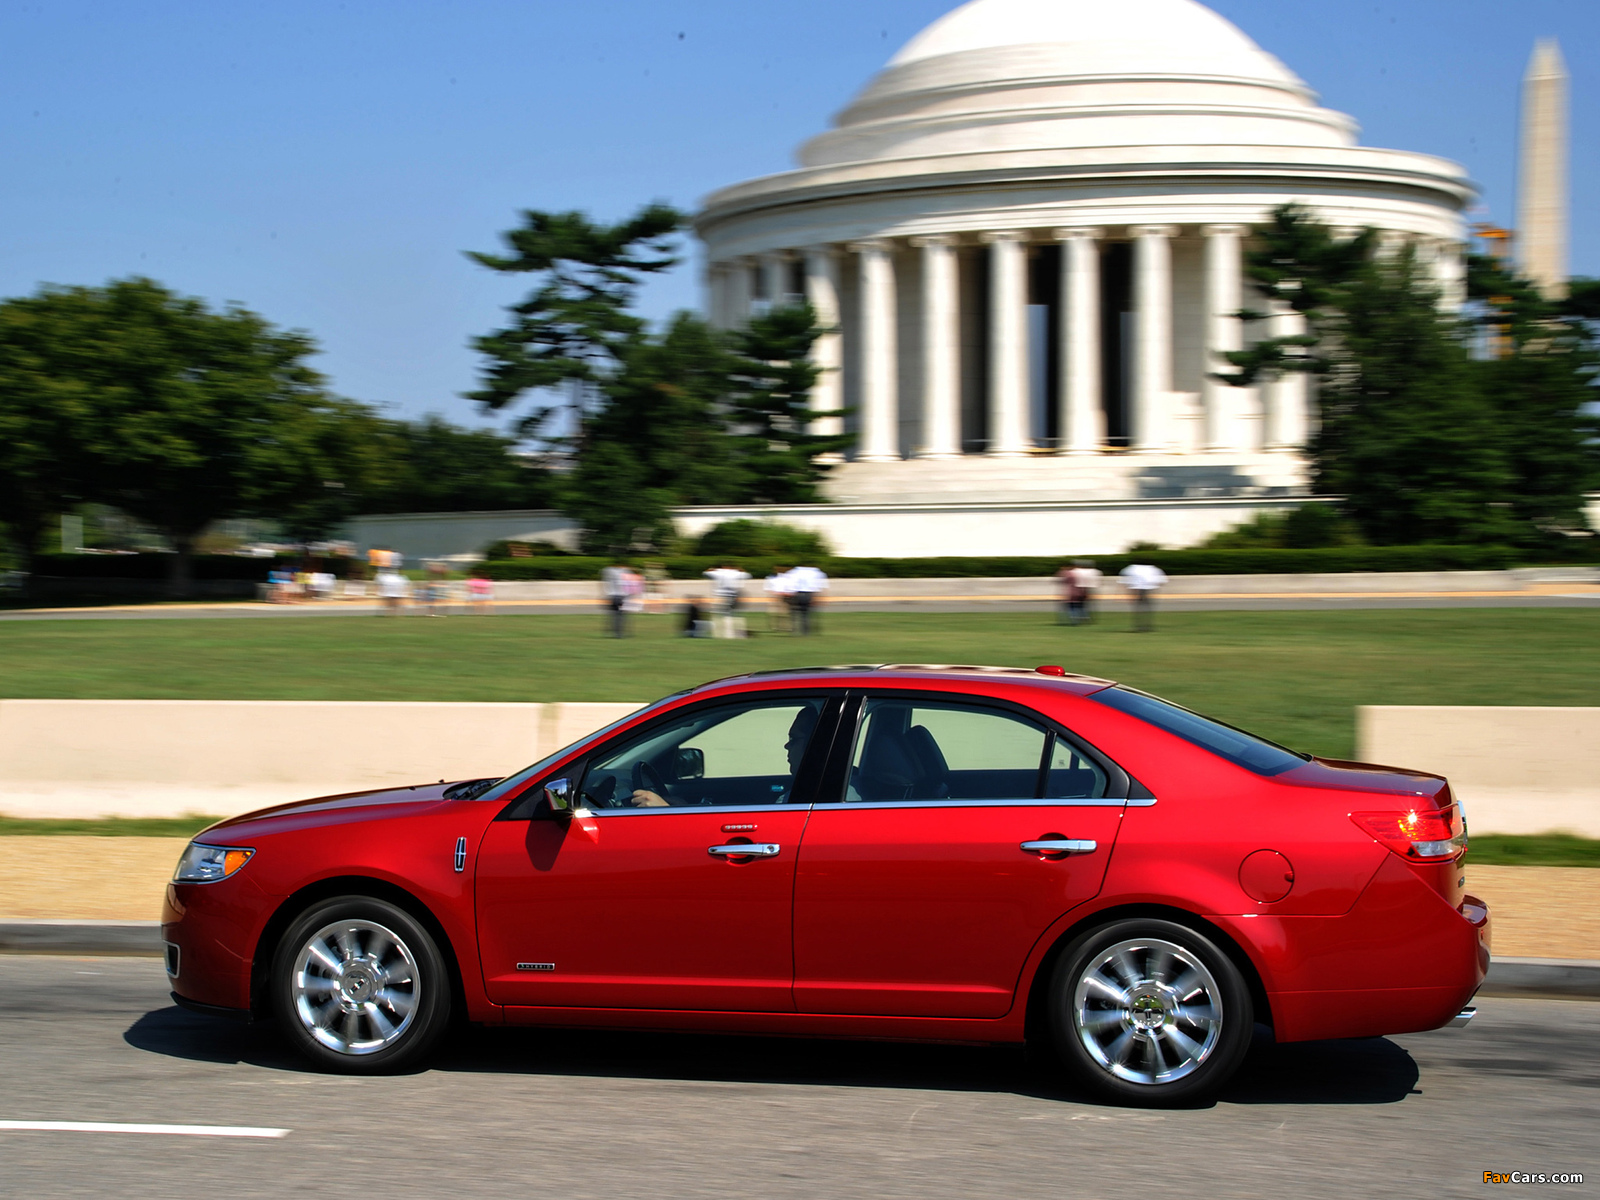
387, 1003
1149, 1013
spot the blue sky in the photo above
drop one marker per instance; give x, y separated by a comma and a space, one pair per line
325, 163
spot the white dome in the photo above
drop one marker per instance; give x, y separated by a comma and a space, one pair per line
1072, 74
1093, 37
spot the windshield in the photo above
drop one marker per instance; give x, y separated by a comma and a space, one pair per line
1238, 747
512, 782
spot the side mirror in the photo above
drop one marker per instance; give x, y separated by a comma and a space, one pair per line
558, 795
689, 762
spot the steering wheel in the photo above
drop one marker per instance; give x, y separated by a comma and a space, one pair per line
647, 778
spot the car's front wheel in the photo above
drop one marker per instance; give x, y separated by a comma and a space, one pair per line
359, 986
1149, 1012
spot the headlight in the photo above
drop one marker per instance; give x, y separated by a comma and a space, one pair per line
207, 864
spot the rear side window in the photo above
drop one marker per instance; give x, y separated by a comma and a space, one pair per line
1238, 747
911, 749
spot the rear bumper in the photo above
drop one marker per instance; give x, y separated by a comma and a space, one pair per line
1401, 960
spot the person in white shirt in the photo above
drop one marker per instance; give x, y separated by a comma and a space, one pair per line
806, 584
779, 600
614, 587
727, 588
1143, 580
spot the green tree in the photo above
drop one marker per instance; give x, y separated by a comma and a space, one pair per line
1541, 381
771, 378
574, 327
657, 440
39, 411
174, 413
432, 465
1407, 436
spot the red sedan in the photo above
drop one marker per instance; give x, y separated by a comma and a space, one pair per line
976, 854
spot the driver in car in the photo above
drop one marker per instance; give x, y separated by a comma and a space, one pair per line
799, 734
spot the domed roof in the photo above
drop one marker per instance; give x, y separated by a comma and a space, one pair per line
1095, 37
998, 75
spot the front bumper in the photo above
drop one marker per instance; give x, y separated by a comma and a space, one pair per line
211, 931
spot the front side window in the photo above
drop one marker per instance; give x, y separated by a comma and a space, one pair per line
726, 755
911, 749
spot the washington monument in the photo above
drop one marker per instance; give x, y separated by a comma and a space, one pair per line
1542, 182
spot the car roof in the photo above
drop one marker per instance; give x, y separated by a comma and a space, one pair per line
866, 674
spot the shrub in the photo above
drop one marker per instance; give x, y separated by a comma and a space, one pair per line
761, 539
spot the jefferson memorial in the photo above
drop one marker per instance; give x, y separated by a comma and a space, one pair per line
1026, 235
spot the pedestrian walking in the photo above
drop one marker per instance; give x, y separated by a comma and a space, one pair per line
614, 590
807, 585
480, 592
392, 589
727, 589
1083, 581
1143, 580
780, 596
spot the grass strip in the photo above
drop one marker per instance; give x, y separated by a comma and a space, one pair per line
1533, 850
186, 826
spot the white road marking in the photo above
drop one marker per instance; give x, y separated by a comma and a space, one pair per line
237, 1131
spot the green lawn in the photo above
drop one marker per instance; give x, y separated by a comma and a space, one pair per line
1292, 676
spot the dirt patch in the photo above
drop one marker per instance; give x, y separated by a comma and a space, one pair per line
1541, 912
86, 878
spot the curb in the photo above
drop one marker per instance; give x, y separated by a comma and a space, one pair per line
1549, 978
142, 938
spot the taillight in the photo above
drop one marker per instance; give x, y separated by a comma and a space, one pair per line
1418, 836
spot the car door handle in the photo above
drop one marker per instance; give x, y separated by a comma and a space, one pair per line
1060, 846
745, 850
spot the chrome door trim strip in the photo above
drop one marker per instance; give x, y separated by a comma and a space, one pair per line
658, 810
683, 809
1088, 802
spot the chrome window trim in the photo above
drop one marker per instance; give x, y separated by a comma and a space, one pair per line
663, 809
1059, 802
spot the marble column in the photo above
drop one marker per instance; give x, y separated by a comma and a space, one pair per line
941, 348
717, 295
775, 277
1288, 396
1008, 342
741, 293
879, 439
1152, 352
827, 352
1082, 416
1222, 404
1452, 268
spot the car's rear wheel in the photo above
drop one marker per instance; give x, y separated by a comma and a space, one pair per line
359, 986
1149, 1012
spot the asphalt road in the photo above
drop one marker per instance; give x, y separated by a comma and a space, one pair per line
531, 1113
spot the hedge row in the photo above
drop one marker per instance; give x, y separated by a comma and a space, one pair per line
159, 566
1173, 562
572, 566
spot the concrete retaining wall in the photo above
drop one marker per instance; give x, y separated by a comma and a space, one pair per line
92, 758
1518, 770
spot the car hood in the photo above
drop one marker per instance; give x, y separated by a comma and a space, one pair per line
328, 809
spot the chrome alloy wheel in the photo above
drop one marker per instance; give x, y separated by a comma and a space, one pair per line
355, 986
1147, 1011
